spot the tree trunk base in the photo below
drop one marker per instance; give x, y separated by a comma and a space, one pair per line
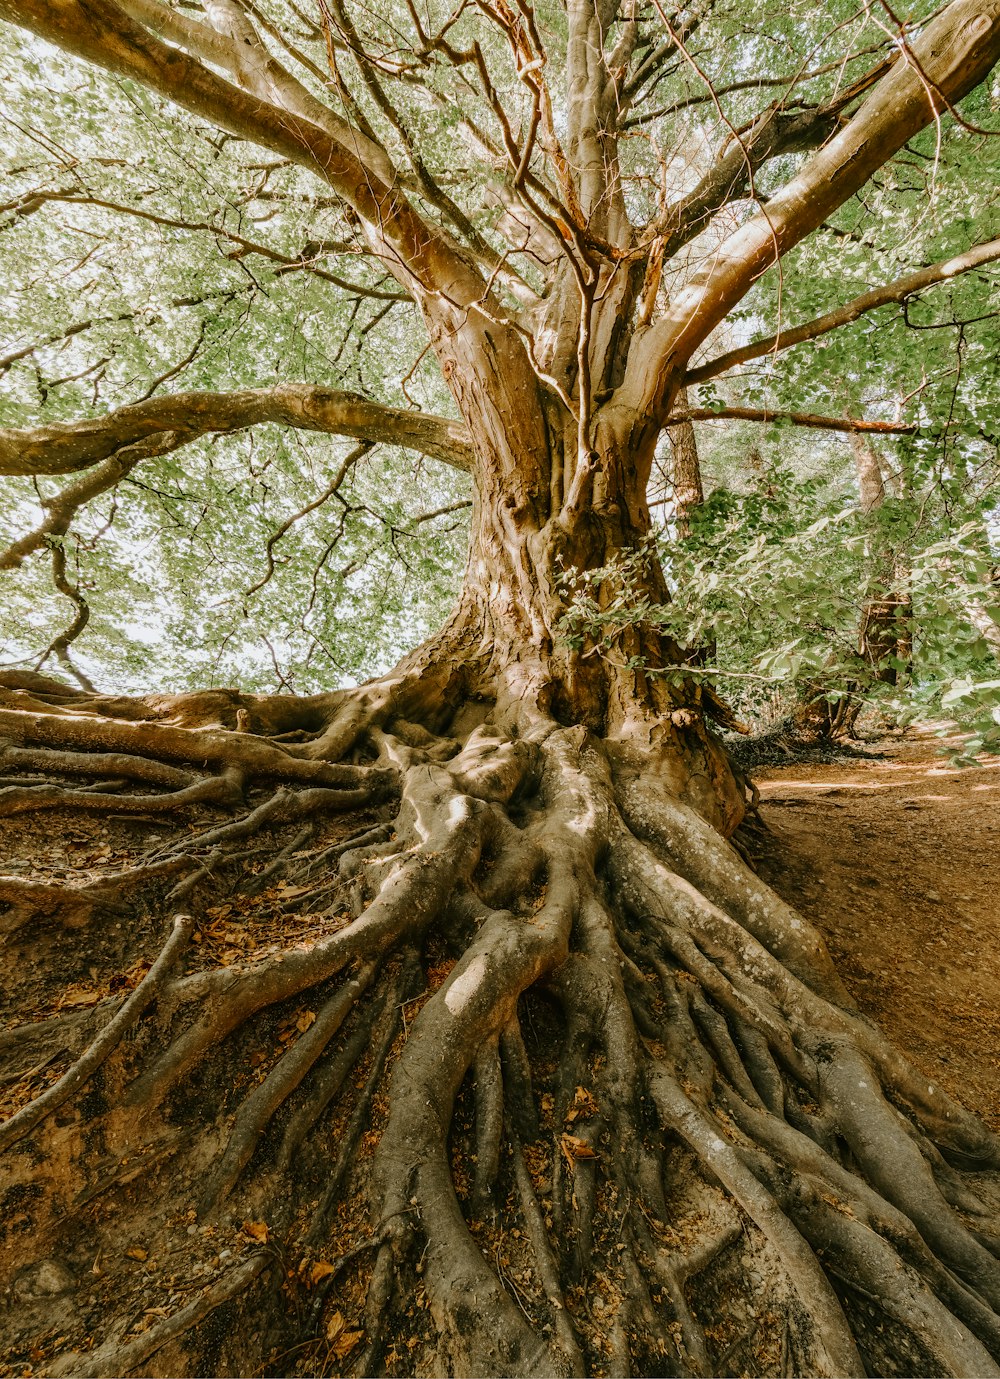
445, 1042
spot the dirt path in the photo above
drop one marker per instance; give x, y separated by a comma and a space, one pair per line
897, 861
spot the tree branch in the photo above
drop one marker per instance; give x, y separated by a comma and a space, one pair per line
304, 262
171, 422
773, 134
63, 507
810, 419
102, 32
896, 291
955, 52
235, 46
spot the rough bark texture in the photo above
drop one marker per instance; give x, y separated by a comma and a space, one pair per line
685, 471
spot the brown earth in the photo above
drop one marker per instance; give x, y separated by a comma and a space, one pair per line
897, 861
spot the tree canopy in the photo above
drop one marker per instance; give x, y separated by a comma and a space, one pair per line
152, 251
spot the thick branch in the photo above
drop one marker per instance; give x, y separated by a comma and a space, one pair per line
953, 55
896, 291
61, 509
775, 134
102, 32
65, 447
241, 53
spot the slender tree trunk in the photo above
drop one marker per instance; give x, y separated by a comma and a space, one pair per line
685, 471
688, 494
883, 626
881, 630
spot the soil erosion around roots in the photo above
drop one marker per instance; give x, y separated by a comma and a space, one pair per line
344, 1036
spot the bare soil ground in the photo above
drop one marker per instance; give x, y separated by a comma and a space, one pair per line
897, 861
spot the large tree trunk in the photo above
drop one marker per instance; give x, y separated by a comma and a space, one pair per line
469, 1044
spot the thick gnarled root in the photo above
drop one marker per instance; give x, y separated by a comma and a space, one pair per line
518, 1071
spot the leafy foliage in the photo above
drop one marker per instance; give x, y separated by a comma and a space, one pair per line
768, 590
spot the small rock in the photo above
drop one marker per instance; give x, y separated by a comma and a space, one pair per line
46, 1279
933, 897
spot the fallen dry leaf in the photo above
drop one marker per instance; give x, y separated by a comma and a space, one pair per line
583, 1105
321, 1269
79, 996
305, 1020
137, 1252
574, 1148
346, 1343
257, 1230
341, 1339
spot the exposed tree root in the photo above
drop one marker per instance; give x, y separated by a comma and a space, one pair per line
550, 1084
30, 1116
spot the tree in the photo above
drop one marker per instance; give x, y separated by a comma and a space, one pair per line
574, 1053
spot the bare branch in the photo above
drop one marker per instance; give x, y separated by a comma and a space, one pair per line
59, 646
755, 83
809, 419
346, 465
892, 292
61, 509
7, 361
287, 263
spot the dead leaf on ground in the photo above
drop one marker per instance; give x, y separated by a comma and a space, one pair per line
583, 1104
347, 1342
574, 1148
79, 996
257, 1230
137, 1252
341, 1338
